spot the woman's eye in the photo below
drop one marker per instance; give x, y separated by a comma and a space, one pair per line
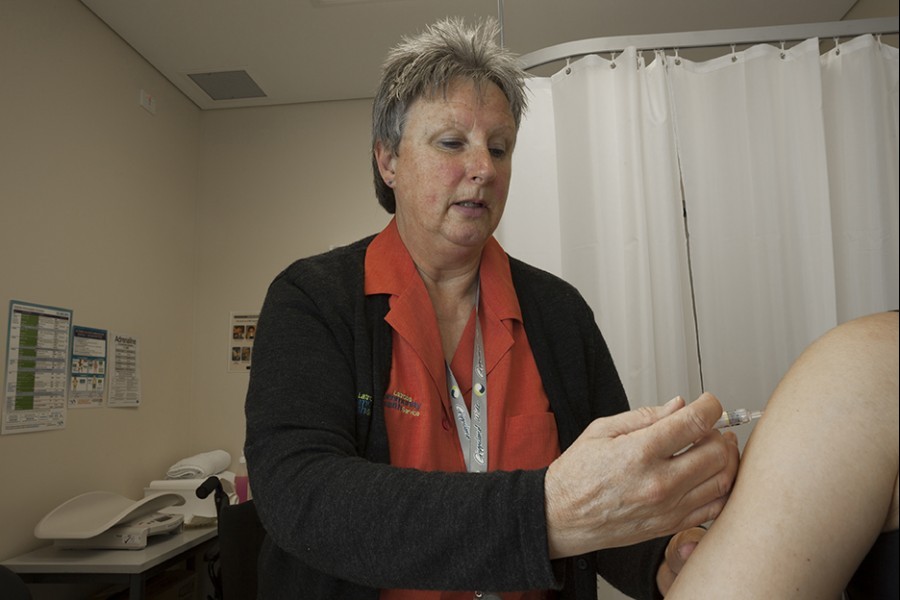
451, 144
498, 152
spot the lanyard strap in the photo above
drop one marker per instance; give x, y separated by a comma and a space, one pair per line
472, 428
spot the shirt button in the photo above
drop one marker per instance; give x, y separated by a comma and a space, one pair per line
582, 564
445, 424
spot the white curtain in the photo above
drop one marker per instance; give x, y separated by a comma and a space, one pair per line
757, 190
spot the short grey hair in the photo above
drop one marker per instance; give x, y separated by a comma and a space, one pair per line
426, 64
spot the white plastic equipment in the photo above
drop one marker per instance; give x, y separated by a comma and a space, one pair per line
104, 520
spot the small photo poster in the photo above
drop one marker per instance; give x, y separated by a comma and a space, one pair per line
240, 341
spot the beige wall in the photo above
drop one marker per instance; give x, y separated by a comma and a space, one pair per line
276, 184
97, 214
157, 226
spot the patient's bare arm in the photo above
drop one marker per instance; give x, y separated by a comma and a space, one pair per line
818, 481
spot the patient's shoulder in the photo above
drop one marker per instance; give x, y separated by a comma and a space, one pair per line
873, 328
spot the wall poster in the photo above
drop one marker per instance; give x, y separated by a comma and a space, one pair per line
37, 368
124, 371
88, 368
240, 346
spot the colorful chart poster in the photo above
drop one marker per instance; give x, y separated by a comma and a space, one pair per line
37, 368
88, 374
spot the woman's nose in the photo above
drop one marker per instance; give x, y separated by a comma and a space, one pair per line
481, 168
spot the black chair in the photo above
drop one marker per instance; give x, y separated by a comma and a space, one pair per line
232, 566
11, 585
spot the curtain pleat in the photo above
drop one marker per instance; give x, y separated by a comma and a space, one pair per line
757, 190
859, 80
755, 175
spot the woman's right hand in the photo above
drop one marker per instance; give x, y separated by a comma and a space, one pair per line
643, 474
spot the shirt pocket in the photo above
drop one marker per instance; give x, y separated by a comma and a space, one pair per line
530, 441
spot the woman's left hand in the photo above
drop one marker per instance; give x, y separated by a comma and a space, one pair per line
679, 549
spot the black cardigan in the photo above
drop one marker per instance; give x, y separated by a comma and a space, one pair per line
342, 522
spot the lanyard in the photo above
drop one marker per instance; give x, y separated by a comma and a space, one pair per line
472, 428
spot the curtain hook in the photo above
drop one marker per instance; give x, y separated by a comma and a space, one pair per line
733, 54
837, 46
660, 54
568, 68
677, 58
783, 54
612, 60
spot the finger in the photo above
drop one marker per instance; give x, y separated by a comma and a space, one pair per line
714, 463
681, 546
704, 514
664, 578
684, 427
731, 437
636, 419
713, 458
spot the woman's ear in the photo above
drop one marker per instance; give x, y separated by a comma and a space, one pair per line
385, 159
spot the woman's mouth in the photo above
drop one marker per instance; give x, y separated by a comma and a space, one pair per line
470, 204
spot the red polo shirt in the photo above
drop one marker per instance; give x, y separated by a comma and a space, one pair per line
421, 431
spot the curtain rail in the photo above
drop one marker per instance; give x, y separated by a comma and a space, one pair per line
706, 39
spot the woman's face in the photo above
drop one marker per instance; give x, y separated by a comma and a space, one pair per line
451, 172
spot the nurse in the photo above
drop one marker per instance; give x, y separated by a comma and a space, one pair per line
431, 418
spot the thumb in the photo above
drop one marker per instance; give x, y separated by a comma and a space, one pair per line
681, 546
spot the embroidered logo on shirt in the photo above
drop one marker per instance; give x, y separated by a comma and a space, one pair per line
364, 404
403, 403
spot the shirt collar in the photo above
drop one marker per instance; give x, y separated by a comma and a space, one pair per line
390, 269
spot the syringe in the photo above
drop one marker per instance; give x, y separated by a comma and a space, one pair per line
739, 416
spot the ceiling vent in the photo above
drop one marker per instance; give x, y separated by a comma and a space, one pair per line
227, 85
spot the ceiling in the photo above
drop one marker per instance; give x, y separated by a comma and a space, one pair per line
320, 50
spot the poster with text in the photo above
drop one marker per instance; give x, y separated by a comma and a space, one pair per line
88, 369
37, 368
124, 371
